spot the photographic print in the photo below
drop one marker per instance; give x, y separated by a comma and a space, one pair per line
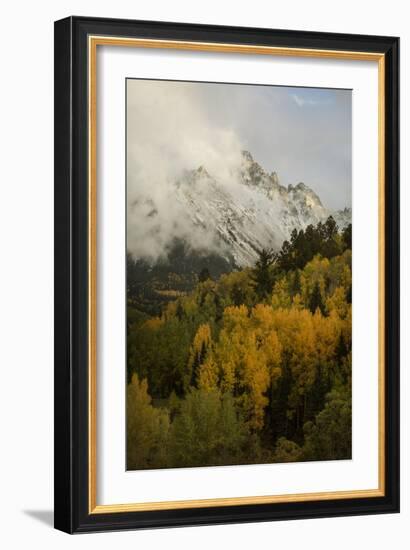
205, 353
239, 276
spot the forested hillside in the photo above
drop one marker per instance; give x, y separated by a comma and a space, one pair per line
251, 366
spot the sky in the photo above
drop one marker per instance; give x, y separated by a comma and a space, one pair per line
302, 134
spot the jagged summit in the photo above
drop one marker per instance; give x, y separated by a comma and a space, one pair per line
247, 155
252, 174
275, 177
202, 171
305, 194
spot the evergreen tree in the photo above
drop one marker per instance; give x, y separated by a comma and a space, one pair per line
341, 349
179, 310
328, 283
262, 273
284, 258
349, 294
204, 275
316, 300
295, 286
197, 362
330, 246
347, 237
330, 228
218, 308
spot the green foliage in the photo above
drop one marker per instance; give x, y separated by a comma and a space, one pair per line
250, 366
208, 431
159, 351
330, 436
287, 451
147, 428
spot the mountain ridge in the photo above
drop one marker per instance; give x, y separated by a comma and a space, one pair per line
235, 217
254, 212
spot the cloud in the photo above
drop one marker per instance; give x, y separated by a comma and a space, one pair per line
169, 133
301, 101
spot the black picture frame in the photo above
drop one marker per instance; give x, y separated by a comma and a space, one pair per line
71, 387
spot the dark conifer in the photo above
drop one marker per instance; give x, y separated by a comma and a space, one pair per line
204, 275
262, 273
316, 300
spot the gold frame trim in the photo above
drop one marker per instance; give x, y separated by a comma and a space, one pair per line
93, 42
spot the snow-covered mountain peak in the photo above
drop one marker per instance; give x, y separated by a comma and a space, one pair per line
247, 156
251, 173
235, 216
304, 196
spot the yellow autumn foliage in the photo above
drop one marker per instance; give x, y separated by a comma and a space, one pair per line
199, 348
248, 355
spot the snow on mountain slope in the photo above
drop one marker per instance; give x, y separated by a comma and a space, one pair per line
253, 212
238, 217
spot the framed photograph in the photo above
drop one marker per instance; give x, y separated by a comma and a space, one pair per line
226, 274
